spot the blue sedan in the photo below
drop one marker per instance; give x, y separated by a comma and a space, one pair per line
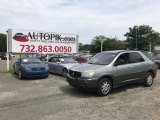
30, 68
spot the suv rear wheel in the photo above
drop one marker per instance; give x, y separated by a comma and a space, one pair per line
104, 87
148, 81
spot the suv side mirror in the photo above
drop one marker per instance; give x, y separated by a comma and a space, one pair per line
119, 62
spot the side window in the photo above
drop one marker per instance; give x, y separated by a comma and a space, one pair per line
135, 57
54, 60
123, 59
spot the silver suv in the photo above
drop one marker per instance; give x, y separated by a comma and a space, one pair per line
110, 69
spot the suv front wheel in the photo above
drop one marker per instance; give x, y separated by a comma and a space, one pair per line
104, 87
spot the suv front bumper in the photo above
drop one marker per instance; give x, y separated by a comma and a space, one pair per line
82, 82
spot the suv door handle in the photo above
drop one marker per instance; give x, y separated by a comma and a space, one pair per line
129, 66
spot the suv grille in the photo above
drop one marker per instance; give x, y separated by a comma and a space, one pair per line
74, 73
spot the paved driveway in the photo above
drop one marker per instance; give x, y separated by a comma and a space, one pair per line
54, 99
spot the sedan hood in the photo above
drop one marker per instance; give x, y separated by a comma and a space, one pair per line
69, 65
34, 65
84, 67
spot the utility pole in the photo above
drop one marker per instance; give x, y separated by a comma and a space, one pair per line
136, 37
102, 44
150, 47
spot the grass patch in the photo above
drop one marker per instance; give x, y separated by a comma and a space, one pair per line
6, 71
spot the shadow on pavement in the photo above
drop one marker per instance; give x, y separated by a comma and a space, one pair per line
84, 93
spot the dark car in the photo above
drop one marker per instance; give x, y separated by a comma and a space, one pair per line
152, 57
3, 56
110, 69
81, 60
157, 60
30, 68
20, 35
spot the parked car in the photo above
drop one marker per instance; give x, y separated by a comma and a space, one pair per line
30, 67
152, 57
157, 60
3, 56
61, 64
81, 60
110, 69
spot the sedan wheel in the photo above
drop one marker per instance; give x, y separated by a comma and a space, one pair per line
148, 80
14, 72
20, 75
104, 87
64, 72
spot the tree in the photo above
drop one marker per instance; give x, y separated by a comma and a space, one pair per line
108, 44
84, 48
3, 43
141, 37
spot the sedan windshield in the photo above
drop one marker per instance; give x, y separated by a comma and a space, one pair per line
30, 60
67, 60
103, 58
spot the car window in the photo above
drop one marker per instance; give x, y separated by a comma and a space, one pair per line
54, 60
103, 58
67, 60
135, 57
123, 59
158, 56
148, 55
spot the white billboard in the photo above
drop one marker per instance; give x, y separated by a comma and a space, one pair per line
26, 41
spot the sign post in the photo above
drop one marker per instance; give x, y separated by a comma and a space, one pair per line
7, 54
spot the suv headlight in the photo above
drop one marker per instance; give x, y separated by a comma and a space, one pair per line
88, 73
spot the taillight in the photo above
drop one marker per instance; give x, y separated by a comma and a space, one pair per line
155, 62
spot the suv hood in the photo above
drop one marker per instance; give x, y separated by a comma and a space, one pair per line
84, 67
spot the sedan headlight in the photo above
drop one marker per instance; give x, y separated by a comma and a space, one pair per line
47, 68
88, 73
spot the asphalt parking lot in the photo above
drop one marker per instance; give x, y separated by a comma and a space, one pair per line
54, 99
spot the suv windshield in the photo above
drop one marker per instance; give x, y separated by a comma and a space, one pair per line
103, 58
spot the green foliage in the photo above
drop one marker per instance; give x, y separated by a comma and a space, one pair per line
85, 47
108, 44
143, 34
3, 43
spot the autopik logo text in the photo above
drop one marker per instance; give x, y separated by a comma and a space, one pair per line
49, 36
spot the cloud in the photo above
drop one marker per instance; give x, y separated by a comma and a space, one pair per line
87, 18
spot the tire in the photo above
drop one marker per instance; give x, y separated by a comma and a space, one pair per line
104, 87
64, 72
148, 81
46, 76
20, 75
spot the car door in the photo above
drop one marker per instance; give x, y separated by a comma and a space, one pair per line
123, 69
53, 64
139, 68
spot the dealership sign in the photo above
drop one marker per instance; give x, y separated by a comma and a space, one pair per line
26, 41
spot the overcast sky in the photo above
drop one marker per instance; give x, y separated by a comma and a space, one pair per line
86, 18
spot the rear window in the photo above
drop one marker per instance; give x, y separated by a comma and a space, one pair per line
135, 57
148, 55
